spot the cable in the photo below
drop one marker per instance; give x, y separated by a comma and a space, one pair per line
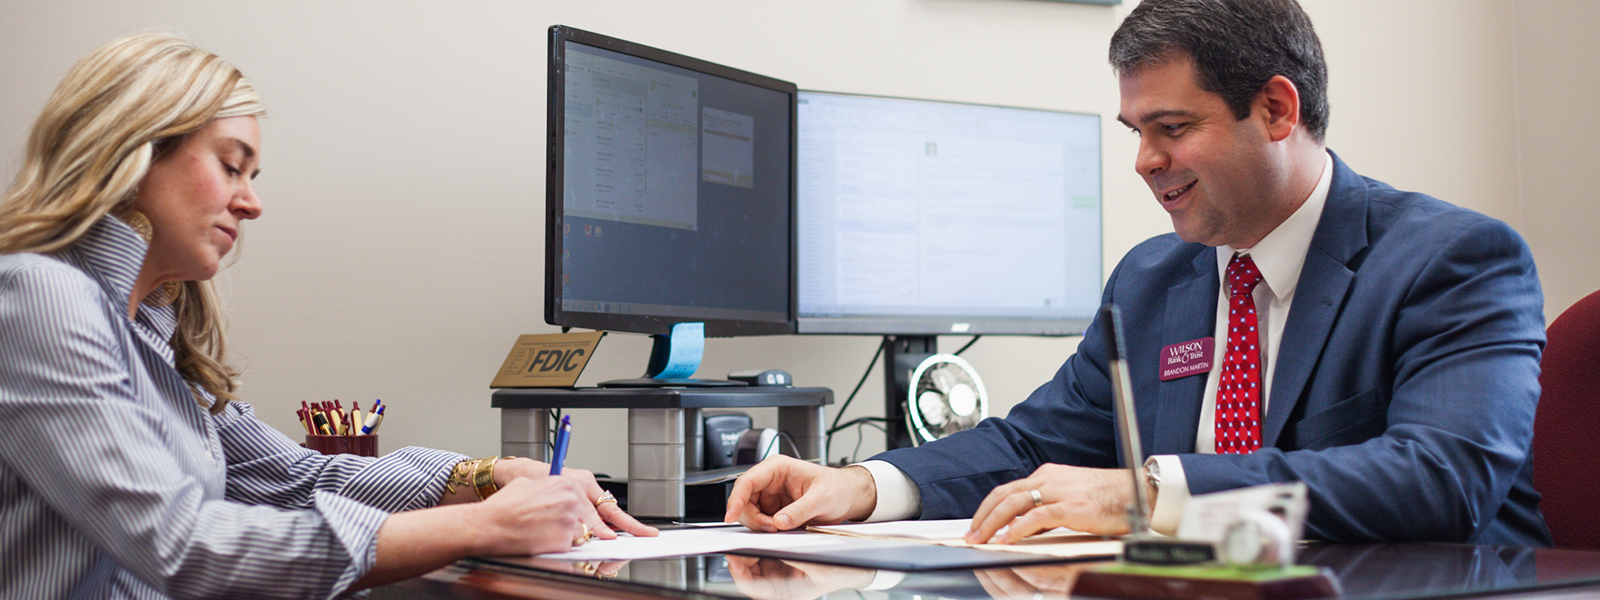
783, 436
857, 421
550, 434
881, 345
974, 340
827, 441
860, 437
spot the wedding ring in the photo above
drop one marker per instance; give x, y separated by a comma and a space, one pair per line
583, 539
1038, 499
605, 497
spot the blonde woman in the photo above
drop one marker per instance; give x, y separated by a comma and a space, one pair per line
128, 468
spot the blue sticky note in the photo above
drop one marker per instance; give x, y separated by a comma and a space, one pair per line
687, 348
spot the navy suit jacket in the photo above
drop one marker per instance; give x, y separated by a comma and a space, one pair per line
1403, 395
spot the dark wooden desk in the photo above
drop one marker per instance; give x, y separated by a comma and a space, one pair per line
1365, 572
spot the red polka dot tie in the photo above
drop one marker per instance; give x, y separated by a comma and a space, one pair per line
1239, 393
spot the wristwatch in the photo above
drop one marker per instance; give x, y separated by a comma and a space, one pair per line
1152, 476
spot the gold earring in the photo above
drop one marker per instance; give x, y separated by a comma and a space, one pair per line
166, 293
140, 223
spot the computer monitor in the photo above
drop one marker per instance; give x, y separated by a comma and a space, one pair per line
669, 192
919, 217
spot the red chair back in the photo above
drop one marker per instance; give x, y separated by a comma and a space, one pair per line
1566, 432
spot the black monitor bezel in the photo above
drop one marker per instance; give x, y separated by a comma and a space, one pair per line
928, 325
554, 179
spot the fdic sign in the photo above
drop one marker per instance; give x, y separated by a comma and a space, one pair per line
551, 360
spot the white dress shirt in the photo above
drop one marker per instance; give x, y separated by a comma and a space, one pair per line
1279, 257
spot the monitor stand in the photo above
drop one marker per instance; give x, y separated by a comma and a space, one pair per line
673, 359
900, 360
666, 432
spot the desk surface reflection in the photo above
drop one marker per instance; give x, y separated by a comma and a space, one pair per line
1365, 572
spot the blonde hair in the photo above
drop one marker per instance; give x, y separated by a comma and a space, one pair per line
94, 143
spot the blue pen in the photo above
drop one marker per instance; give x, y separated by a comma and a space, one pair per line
373, 419
563, 435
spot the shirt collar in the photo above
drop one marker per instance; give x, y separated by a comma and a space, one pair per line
1282, 253
112, 253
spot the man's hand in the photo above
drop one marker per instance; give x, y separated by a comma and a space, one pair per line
1049, 581
783, 493
1088, 500
773, 579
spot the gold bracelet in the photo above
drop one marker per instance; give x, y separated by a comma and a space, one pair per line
461, 474
483, 477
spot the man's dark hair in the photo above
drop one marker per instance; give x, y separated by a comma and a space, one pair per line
1237, 46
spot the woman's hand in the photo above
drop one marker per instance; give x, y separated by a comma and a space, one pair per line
533, 516
508, 470
527, 516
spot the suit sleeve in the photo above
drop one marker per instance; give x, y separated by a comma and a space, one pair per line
1068, 420
1432, 449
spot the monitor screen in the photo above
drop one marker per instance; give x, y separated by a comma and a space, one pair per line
670, 191
926, 218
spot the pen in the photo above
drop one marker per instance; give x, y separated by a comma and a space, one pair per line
344, 422
372, 420
321, 423
563, 436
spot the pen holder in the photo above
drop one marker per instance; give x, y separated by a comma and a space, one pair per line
360, 445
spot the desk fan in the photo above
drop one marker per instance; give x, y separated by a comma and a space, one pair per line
946, 395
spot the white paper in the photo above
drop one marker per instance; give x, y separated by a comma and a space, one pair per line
682, 542
933, 530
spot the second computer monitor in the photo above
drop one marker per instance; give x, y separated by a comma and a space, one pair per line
924, 218
669, 191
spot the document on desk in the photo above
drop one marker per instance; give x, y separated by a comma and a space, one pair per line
682, 542
1059, 542
904, 545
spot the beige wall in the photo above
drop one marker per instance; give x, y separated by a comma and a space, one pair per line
401, 250
1558, 128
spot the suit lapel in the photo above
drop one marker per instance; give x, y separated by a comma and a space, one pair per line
1191, 315
1319, 296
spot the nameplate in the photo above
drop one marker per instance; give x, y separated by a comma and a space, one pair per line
1186, 358
549, 360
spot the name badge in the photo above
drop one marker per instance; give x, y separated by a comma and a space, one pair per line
1186, 358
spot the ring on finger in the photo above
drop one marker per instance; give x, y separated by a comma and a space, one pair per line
605, 497
1038, 499
584, 539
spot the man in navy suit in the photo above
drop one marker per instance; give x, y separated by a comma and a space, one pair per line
1304, 323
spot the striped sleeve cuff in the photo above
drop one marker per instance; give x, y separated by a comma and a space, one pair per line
355, 525
428, 469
